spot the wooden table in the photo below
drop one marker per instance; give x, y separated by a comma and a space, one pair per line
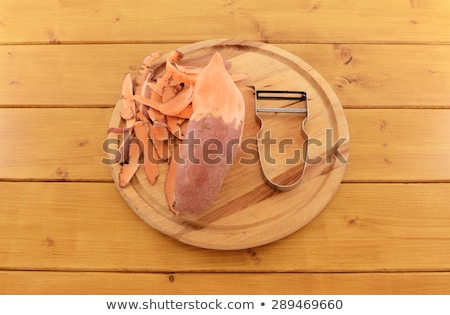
64, 228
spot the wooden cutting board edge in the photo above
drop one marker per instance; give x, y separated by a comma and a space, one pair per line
228, 239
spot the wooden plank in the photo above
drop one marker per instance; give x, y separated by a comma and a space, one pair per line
91, 75
146, 21
399, 145
88, 227
393, 76
53, 144
113, 283
80, 75
385, 144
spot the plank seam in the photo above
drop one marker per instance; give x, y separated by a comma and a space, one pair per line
54, 180
94, 106
358, 272
281, 42
370, 182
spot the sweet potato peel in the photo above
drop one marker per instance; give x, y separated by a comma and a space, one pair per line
160, 112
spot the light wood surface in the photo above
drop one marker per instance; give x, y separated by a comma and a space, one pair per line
89, 227
224, 283
379, 137
363, 76
64, 228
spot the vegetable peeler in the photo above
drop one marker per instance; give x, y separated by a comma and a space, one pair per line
277, 96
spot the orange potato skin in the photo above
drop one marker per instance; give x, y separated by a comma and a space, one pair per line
206, 155
211, 139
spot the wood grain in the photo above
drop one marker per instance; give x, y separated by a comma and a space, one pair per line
388, 62
53, 144
363, 76
399, 145
89, 227
115, 283
51, 22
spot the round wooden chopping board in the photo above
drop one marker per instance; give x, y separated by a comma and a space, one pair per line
248, 212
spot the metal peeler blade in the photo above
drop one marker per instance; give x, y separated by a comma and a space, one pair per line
279, 95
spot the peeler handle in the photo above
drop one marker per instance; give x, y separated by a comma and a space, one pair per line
279, 95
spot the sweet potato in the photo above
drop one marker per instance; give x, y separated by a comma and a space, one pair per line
211, 140
199, 110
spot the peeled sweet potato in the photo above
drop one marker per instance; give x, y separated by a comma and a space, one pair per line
210, 143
